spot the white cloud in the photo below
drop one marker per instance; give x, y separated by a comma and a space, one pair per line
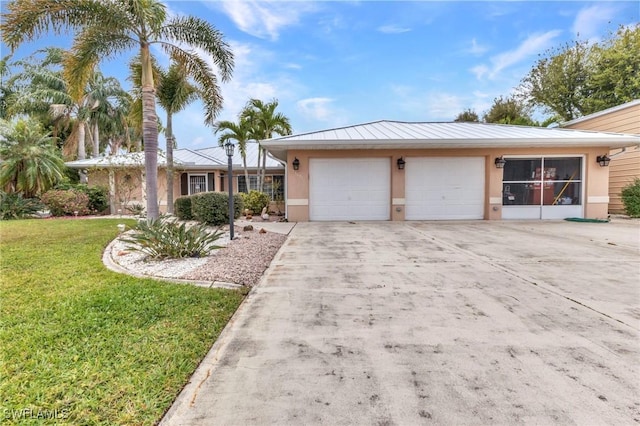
589, 20
444, 106
264, 18
476, 49
393, 29
533, 45
316, 108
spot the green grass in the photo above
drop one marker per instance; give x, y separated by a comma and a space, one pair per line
88, 345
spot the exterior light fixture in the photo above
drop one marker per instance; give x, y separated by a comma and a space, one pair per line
401, 163
228, 148
296, 164
500, 162
603, 160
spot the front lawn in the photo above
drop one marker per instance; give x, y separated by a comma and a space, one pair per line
86, 345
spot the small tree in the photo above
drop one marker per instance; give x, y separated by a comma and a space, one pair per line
31, 164
468, 115
509, 110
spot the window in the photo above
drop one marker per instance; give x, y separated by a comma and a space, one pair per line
548, 181
273, 185
197, 183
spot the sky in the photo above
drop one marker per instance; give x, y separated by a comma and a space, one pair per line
339, 63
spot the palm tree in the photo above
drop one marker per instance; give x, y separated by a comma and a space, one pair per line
240, 132
103, 29
175, 92
265, 122
30, 161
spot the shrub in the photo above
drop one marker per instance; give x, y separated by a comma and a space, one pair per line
631, 198
61, 202
14, 206
161, 238
256, 201
136, 209
213, 207
98, 195
182, 208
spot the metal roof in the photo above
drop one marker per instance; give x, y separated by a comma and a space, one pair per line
603, 112
252, 149
425, 135
186, 159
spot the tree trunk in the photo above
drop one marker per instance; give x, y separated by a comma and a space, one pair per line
246, 171
82, 153
150, 133
96, 141
264, 169
258, 185
169, 170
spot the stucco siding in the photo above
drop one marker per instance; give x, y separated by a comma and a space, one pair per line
624, 168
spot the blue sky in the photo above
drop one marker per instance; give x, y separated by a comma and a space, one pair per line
337, 63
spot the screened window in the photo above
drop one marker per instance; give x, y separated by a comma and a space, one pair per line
273, 185
197, 183
547, 181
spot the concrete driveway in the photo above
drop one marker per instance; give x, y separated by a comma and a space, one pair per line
425, 322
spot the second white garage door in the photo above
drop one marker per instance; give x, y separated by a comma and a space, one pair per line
441, 188
349, 189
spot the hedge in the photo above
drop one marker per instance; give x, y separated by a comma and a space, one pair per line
182, 208
213, 207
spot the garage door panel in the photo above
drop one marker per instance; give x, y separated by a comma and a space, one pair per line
444, 188
349, 189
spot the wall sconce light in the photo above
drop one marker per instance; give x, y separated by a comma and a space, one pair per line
603, 160
500, 162
296, 164
401, 163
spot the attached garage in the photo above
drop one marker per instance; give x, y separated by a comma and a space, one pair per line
349, 189
395, 170
441, 188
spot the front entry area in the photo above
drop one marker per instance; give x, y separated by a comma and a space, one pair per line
542, 188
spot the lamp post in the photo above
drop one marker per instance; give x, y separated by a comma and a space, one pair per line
228, 147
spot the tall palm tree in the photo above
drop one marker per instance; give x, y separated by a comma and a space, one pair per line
241, 132
265, 122
174, 93
103, 29
31, 163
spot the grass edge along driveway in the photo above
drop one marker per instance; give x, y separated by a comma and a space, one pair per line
84, 345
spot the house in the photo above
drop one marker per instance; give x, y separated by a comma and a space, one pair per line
198, 170
625, 162
392, 170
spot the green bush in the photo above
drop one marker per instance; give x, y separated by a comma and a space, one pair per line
631, 198
256, 201
161, 238
213, 207
182, 208
98, 195
14, 206
66, 202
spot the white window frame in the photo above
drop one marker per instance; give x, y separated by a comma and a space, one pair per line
542, 211
206, 183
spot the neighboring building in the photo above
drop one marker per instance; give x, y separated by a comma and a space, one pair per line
389, 170
625, 164
199, 170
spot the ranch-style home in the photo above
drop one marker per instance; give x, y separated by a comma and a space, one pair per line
199, 170
392, 170
625, 162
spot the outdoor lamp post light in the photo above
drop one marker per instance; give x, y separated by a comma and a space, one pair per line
401, 163
228, 148
603, 160
500, 162
296, 164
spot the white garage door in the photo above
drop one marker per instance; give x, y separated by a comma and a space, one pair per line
444, 188
349, 189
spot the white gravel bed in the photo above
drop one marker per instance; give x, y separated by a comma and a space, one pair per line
241, 261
